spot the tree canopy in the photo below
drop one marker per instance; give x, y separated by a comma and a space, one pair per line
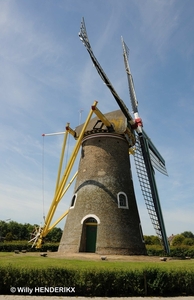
16, 231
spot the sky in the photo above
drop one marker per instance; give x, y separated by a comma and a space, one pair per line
47, 79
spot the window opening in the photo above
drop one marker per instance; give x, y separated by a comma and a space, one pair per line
122, 200
73, 201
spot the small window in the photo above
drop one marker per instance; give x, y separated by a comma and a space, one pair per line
122, 200
73, 201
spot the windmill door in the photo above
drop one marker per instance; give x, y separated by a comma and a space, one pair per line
91, 233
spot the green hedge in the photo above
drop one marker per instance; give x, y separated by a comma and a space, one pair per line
178, 251
23, 245
99, 283
182, 251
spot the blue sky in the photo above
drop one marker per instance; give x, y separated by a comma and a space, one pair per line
46, 78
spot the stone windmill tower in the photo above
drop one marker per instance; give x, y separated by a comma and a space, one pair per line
103, 215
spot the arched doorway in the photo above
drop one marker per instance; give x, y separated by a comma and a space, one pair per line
89, 235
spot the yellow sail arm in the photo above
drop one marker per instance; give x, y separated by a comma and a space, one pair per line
59, 192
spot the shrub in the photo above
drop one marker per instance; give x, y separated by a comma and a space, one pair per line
155, 250
24, 245
181, 251
151, 240
188, 241
151, 281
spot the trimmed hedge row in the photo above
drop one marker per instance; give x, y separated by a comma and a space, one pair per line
23, 245
98, 283
178, 251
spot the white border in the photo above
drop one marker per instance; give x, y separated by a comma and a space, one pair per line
90, 216
74, 201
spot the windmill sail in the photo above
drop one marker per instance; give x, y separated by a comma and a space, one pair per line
157, 160
156, 163
133, 98
84, 38
147, 157
148, 186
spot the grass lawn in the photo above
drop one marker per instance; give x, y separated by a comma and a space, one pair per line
91, 276
34, 260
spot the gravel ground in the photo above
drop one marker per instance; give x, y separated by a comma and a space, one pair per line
97, 257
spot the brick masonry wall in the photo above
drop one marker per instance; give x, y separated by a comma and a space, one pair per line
104, 171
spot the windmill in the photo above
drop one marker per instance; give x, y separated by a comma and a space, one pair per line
103, 214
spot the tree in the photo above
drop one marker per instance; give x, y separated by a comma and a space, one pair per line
188, 241
3, 229
54, 235
151, 240
188, 234
18, 231
156, 240
15, 229
9, 237
178, 240
26, 231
